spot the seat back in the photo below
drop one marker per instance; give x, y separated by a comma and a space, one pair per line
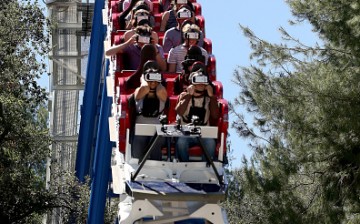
121, 78
117, 37
200, 21
211, 67
124, 120
218, 89
223, 124
115, 21
115, 6
207, 45
197, 8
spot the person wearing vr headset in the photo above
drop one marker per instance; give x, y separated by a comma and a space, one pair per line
197, 101
127, 12
193, 57
141, 18
150, 100
172, 36
190, 36
140, 5
131, 49
168, 19
127, 3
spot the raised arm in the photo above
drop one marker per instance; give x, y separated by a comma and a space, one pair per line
120, 48
160, 59
141, 91
182, 104
164, 20
161, 92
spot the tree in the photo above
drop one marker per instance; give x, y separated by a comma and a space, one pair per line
304, 101
24, 137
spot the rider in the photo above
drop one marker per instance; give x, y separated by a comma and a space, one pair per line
150, 100
197, 100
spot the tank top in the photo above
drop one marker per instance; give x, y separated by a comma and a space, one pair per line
171, 21
200, 112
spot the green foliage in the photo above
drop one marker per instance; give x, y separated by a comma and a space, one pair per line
337, 22
24, 137
72, 197
305, 130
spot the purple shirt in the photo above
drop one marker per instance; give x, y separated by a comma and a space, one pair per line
132, 56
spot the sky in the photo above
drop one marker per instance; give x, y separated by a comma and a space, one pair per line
232, 49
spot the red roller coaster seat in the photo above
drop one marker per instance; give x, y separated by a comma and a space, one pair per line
218, 89
115, 6
207, 45
211, 67
124, 121
117, 36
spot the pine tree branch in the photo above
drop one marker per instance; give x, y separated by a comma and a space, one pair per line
4, 124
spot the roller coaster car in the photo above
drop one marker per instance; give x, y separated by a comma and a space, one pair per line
170, 191
165, 191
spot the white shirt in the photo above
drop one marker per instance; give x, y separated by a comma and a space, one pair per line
177, 55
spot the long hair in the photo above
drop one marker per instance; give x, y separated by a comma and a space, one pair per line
123, 15
148, 52
134, 22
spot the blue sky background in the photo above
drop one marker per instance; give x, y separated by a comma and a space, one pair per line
231, 48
